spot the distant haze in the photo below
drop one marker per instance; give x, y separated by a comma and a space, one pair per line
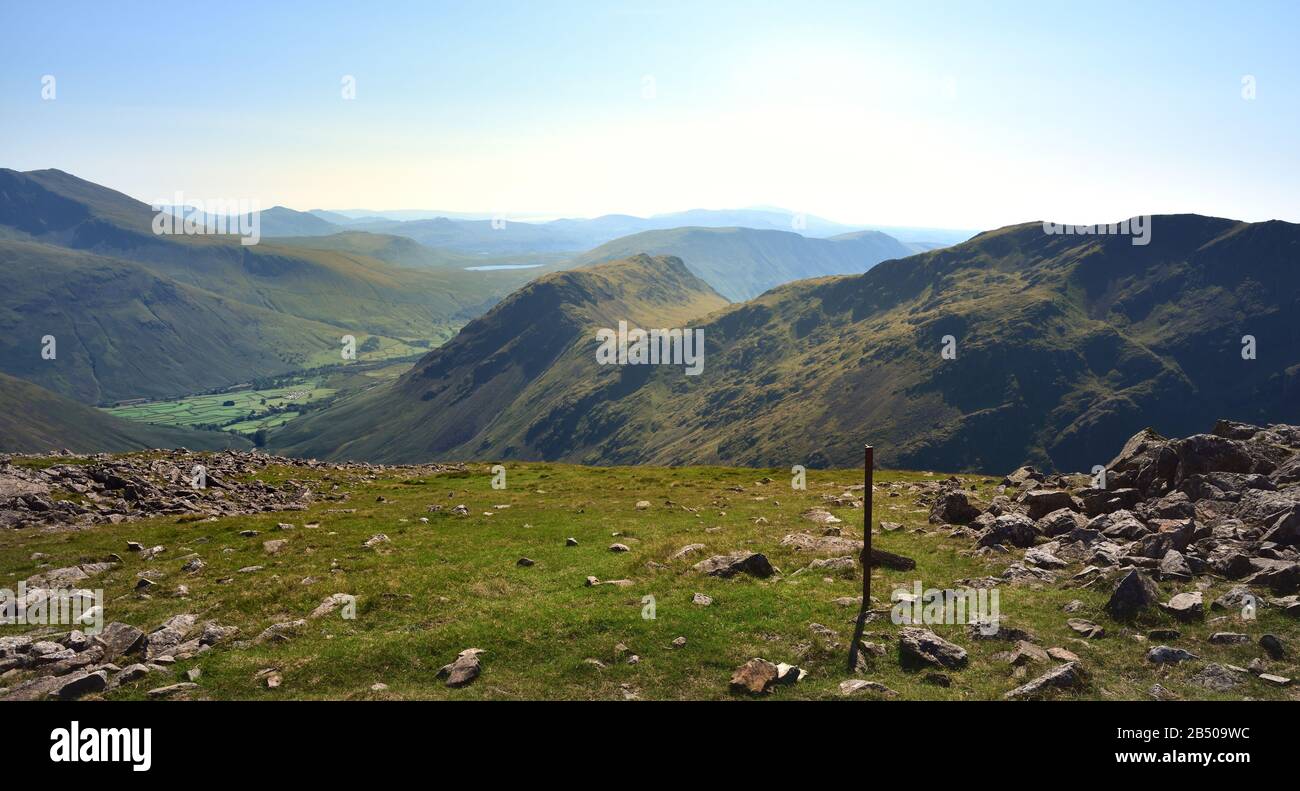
950, 115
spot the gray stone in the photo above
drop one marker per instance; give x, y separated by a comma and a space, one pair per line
464, 669
1164, 655
918, 646
1133, 594
1069, 676
738, 562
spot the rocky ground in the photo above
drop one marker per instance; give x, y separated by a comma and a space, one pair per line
285, 578
103, 489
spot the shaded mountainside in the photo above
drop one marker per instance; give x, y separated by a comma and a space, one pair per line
741, 263
122, 331
35, 420
1066, 346
349, 290
530, 357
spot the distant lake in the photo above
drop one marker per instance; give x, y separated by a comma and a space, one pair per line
501, 266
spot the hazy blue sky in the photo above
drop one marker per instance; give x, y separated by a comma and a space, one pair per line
955, 114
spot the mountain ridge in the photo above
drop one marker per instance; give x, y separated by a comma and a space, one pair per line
1065, 347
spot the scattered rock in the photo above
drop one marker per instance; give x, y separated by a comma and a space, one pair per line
463, 670
281, 632
756, 676
923, 647
855, 685
76, 686
1086, 628
172, 690
332, 603
1164, 655
738, 562
1217, 678
1069, 676
1133, 594
1186, 606
1273, 646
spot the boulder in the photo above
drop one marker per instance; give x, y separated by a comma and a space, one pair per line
1041, 502
1164, 655
738, 562
919, 646
118, 639
76, 686
1202, 453
1133, 594
756, 676
463, 670
855, 685
1217, 678
1009, 529
1186, 606
1069, 676
1062, 521
953, 508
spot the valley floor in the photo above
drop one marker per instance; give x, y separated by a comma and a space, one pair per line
435, 588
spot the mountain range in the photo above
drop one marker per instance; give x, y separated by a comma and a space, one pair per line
517, 373
1016, 345
140, 314
1063, 346
741, 263
137, 314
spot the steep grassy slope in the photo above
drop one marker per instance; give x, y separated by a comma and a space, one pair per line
348, 290
1065, 346
741, 263
503, 380
35, 420
122, 331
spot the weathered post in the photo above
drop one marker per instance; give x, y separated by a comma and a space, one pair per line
868, 473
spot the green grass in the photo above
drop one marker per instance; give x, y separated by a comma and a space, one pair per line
453, 583
212, 409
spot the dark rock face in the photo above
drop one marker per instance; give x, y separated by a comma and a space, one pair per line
739, 562
1060, 522
1203, 453
923, 647
1133, 594
953, 508
1015, 530
1147, 463
1042, 502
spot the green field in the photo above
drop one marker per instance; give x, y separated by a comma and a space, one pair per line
452, 583
370, 348
218, 409
247, 411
